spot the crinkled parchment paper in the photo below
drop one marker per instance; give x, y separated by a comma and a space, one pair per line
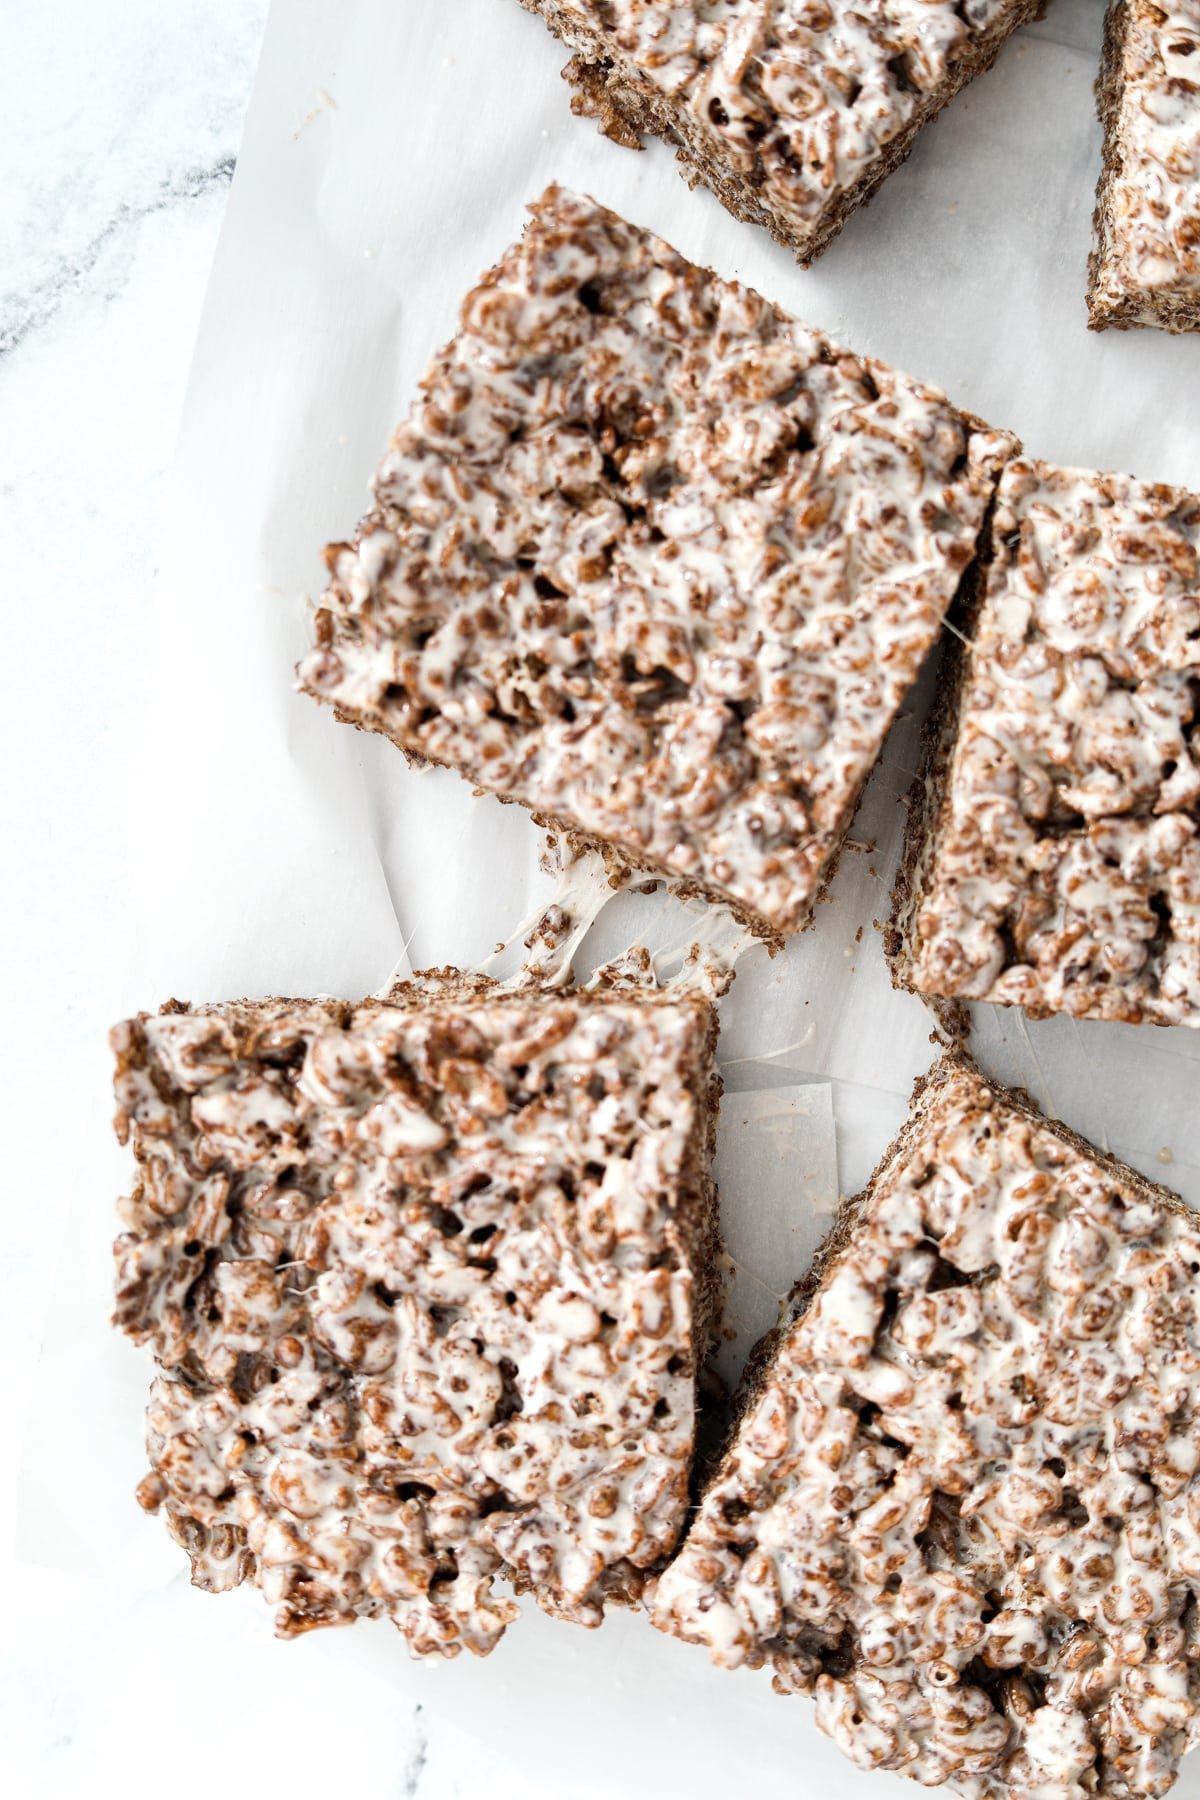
391, 147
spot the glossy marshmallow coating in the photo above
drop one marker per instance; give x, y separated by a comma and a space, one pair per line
801, 103
656, 561
1146, 267
962, 1506
421, 1283
1063, 870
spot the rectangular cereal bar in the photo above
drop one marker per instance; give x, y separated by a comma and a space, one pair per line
961, 1505
792, 111
1053, 858
427, 1280
656, 561
1145, 266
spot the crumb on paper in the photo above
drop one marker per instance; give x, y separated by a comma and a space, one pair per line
952, 1022
325, 103
1166, 1154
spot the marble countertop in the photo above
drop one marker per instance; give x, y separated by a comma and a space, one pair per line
118, 139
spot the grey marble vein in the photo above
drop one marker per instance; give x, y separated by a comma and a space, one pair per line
24, 312
418, 1757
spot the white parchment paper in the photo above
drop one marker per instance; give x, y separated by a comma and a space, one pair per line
389, 154
391, 147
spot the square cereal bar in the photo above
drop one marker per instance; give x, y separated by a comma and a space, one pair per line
961, 1505
427, 1280
1145, 266
1053, 859
655, 561
792, 111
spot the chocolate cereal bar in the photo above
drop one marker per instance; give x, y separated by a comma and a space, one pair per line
427, 1280
792, 111
1053, 858
1145, 267
656, 561
961, 1507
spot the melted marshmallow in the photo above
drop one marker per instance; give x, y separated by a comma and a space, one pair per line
800, 99
962, 1509
656, 561
1147, 264
1066, 876
420, 1282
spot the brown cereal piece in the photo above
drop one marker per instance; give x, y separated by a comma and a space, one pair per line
1053, 859
792, 111
961, 1506
655, 561
427, 1281
1145, 264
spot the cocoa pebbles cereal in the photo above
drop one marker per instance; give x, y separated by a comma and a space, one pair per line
1145, 267
656, 561
427, 1280
791, 111
1054, 850
961, 1506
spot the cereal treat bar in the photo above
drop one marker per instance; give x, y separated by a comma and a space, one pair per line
1053, 860
792, 111
1145, 266
655, 561
961, 1506
427, 1280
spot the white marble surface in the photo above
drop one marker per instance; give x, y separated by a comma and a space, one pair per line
118, 138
